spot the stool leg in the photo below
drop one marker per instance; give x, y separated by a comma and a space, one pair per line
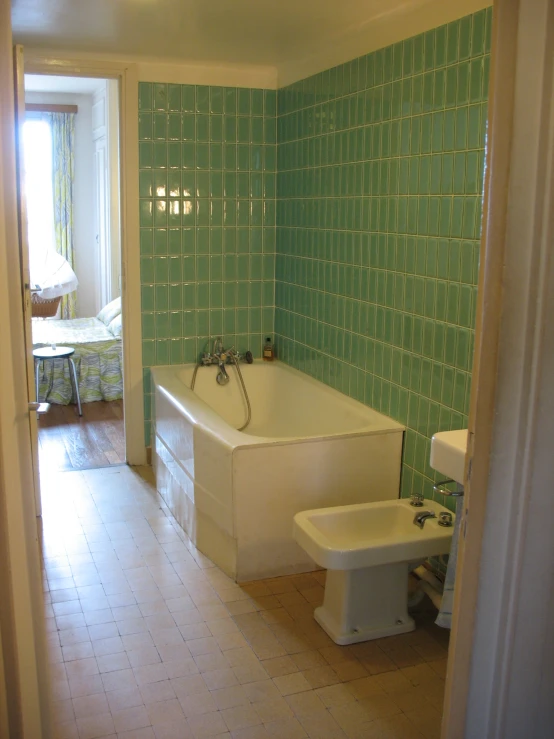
37, 364
73, 373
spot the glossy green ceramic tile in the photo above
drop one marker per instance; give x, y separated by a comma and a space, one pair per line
207, 189
379, 181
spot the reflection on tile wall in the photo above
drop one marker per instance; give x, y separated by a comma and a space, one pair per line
207, 220
380, 174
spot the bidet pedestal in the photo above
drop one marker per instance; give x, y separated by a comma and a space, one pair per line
365, 604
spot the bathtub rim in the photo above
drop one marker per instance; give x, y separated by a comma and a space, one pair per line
200, 414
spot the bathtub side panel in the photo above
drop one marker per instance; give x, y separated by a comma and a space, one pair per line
273, 483
194, 476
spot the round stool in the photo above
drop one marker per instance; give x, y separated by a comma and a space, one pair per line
60, 352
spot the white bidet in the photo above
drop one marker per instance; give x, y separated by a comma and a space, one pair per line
366, 549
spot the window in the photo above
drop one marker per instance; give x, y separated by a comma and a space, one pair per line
37, 148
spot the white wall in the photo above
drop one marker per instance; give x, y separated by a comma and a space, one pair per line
83, 193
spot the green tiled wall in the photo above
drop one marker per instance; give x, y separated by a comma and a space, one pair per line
380, 175
207, 220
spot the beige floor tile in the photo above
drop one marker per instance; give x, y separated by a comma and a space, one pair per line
157, 692
82, 667
289, 684
319, 677
67, 730
145, 733
230, 641
306, 704
308, 660
99, 632
286, 728
212, 661
124, 698
240, 717
137, 641
241, 657
100, 725
207, 725
206, 645
127, 719
198, 704
90, 705
60, 689
262, 690
165, 712
251, 732
273, 710
147, 638
62, 711
230, 697
80, 686
188, 685
365, 686
196, 630
113, 662
219, 679
279, 666
119, 680
181, 668
150, 674
322, 726
427, 720
175, 730
143, 656
335, 695
132, 626
250, 673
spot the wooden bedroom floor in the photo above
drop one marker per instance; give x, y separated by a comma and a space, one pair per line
67, 442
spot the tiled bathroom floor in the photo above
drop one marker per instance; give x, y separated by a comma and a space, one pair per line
149, 640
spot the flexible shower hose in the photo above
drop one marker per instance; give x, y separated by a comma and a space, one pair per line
244, 390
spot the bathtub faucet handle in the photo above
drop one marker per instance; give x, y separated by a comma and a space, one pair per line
234, 355
218, 346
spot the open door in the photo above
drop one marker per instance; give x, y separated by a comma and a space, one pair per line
34, 406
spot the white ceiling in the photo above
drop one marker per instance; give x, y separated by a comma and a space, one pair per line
235, 31
270, 33
53, 83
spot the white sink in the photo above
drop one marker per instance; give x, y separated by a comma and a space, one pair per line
370, 534
448, 454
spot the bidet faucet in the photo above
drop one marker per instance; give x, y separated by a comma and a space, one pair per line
422, 516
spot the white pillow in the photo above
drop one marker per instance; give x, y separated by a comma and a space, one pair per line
110, 311
115, 326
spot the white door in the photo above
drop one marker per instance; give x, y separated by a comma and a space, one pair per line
19, 83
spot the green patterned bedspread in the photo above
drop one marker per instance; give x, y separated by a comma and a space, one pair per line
98, 359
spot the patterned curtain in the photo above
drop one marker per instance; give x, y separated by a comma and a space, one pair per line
63, 165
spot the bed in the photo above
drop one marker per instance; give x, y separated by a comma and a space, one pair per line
98, 356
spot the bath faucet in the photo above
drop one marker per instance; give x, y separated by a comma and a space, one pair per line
422, 516
222, 356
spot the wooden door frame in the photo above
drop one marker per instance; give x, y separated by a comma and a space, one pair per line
22, 623
500, 661
126, 75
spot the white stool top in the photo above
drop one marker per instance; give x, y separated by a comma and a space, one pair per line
60, 352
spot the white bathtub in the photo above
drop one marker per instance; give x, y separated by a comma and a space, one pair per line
235, 493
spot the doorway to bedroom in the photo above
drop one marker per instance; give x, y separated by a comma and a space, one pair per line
71, 164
